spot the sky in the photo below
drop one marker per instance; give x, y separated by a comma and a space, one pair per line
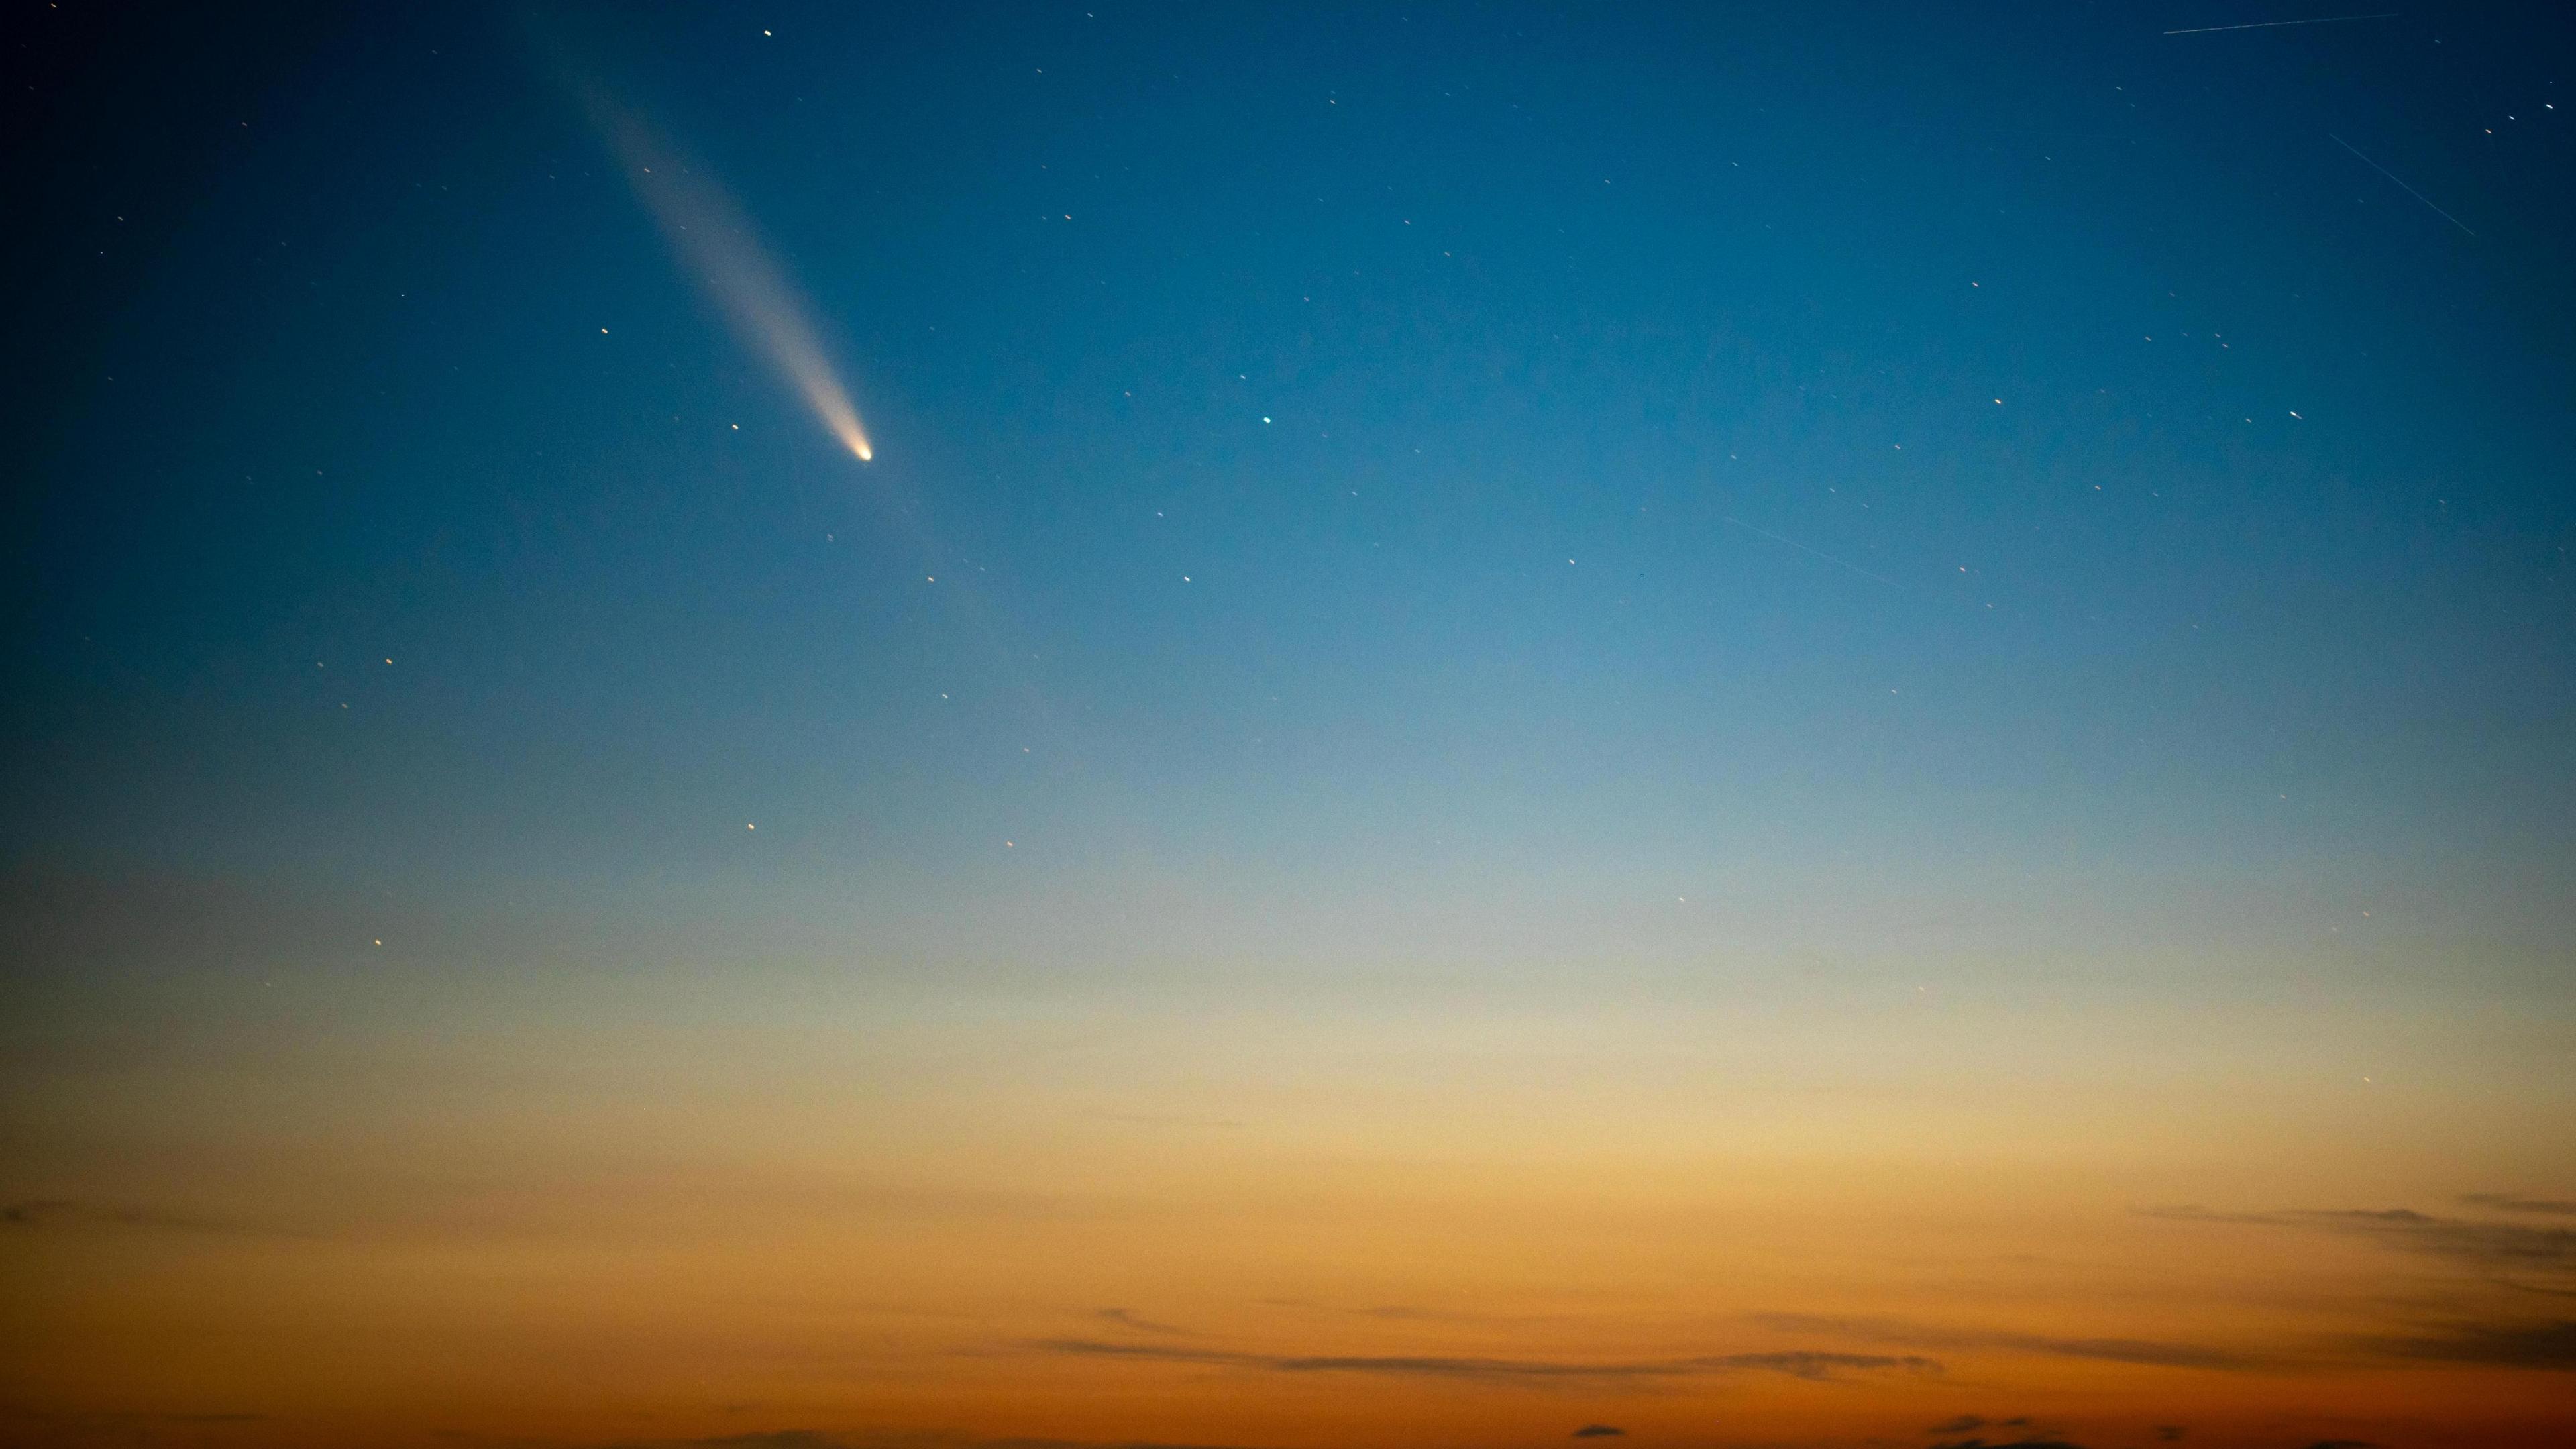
838, 726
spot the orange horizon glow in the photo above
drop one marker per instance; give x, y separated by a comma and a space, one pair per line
1283, 1231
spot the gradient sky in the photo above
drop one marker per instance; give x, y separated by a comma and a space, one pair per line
1800, 725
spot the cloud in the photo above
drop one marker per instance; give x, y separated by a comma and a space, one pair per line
763, 1440
1805, 1365
1597, 1431
2168, 1432
1125, 1319
1058, 1444
1090, 1348
2009, 1444
2546, 1345
45, 1211
2109, 1350
58, 1213
22, 1425
2508, 1253
2520, 1204
1817, 1365
2487, 1245
886, 1439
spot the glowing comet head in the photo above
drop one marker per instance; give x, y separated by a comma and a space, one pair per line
711, 234
833, 407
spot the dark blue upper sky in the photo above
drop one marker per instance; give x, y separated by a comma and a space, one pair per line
1490, 455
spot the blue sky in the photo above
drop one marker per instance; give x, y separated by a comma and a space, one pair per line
1600, 515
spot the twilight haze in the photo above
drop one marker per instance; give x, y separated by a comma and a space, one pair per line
1706, 725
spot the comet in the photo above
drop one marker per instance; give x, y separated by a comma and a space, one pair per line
717, 243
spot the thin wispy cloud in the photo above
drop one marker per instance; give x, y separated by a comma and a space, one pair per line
44, 1214
2146, 1352
20, 1424
1796, 1364
2484, 1244
804, 1438
772, 1439
2524, 1345
2498, 1251
1125, 1319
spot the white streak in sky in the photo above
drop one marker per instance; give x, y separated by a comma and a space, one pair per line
711, 234
2402, 186
1818, 552
2277, 24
